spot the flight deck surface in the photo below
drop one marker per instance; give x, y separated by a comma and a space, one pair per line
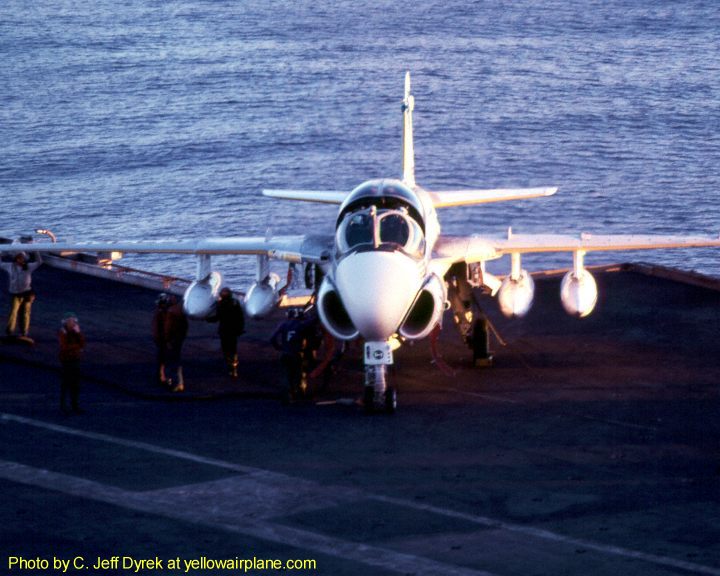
590, 446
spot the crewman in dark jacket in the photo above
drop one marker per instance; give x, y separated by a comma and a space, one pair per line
231, 324
290, 340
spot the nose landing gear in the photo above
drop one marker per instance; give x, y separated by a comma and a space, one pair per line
378, 396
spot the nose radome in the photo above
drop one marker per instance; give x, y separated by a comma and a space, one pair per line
377, 289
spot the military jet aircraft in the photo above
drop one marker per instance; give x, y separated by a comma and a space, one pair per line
388, 273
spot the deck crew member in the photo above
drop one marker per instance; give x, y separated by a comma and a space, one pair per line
170, 327
290, 340
231, 324
21, 293
72, 344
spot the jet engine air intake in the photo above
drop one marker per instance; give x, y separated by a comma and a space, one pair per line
333, 313
426, 311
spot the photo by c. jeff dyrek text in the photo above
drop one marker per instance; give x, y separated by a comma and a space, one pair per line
132, 565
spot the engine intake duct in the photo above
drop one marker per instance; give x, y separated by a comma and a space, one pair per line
426, 311
333, 313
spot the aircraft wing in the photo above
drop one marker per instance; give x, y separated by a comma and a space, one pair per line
448, 198
322, 196
305, 248
478, 248
440, 199
599, 242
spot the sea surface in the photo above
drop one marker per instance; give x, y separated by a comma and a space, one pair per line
145, 119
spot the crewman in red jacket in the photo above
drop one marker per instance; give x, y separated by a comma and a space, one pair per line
72, 344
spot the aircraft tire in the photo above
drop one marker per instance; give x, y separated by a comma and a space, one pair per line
369, 400
390, 400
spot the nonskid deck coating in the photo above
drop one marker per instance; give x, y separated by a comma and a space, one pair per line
590, 447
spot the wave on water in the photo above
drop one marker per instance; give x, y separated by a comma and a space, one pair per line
152, 120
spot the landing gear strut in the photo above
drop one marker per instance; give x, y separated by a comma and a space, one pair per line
480, 342
378, 395
469, 318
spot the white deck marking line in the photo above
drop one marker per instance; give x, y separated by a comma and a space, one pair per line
492, 397
554, 537
302, 539
617, 422
496, 398
130, 443
481, 520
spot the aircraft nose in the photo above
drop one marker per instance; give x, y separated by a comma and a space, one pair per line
377, 289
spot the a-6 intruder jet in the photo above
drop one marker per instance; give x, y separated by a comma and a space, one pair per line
388, 273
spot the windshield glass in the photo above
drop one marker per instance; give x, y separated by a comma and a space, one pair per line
385, 228
394, 228
358, 229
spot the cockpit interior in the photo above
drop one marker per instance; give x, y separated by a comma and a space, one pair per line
370, 228
381, 215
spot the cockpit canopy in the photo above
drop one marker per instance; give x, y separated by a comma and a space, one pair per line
383, 194
370, 228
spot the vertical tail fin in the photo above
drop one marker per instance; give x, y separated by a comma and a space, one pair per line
408, 148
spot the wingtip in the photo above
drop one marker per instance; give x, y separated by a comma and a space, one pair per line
273, 192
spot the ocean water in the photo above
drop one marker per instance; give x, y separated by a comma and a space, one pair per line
145, 119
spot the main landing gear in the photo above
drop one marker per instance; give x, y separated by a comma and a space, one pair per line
471, 322
479, 341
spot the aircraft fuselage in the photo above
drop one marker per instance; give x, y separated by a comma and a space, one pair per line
380, 280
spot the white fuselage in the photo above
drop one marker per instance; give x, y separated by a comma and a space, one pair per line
384, 240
